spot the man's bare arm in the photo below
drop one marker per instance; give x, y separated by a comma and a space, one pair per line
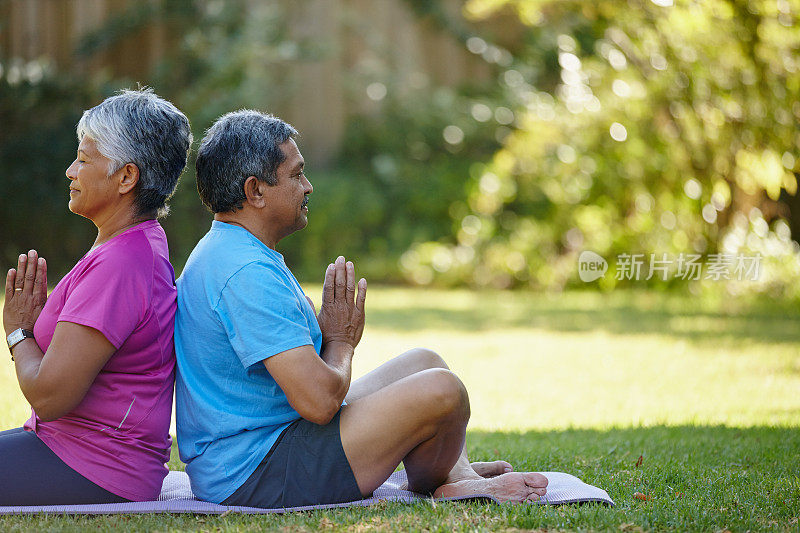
316, 386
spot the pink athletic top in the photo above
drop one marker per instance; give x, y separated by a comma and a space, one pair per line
118, 436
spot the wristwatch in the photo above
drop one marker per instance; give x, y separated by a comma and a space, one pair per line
16, 337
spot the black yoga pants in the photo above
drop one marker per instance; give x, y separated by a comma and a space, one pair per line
31, 474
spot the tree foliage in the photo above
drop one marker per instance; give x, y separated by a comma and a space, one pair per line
635, 127
668, 129
38, 114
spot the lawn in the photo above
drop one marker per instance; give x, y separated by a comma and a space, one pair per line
706, 392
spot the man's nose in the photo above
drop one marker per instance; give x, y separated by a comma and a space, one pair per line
309, 188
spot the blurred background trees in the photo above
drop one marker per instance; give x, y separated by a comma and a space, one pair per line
484, 143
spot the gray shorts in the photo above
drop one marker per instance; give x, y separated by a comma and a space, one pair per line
306, 466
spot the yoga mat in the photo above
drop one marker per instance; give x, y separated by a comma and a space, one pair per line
176, 497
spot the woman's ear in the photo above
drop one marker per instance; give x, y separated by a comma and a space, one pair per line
254, 192
129, 177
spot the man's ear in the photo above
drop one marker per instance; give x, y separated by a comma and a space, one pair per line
129, 177
254, 191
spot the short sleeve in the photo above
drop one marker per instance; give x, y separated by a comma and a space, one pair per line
261, 314
110, 294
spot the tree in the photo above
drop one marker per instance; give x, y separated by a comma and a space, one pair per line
669, 129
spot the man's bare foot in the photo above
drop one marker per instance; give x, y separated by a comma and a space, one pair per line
514, 487
492, 469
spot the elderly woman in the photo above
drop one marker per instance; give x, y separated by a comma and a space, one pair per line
95, 359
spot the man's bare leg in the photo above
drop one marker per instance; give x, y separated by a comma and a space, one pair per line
404, 365
423, 462
420, 420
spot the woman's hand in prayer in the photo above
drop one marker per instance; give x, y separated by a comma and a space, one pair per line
26, 292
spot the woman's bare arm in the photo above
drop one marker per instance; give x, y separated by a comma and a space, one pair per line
55, 382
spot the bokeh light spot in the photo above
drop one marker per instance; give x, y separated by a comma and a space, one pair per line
503, 115
476, 45
616, 59
453, 134
618, 132
709, 213
692, 188
376, 91
481, 112
621, 88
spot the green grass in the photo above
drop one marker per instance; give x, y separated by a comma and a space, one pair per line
707, 392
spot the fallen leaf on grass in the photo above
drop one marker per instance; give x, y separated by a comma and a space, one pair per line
643, 497
639, 461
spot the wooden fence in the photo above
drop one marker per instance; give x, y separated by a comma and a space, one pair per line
414, 49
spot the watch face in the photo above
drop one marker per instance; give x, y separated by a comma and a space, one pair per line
16, 336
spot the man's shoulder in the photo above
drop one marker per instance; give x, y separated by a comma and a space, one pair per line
255, 273
228, 245
227, 253
234, 268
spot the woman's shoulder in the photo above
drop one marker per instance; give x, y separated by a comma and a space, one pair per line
137, 243
133, 251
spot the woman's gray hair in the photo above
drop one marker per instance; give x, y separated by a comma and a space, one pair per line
139, 127
238, 145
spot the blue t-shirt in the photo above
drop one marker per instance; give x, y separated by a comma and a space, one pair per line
238, 304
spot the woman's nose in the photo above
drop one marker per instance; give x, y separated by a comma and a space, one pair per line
71, 174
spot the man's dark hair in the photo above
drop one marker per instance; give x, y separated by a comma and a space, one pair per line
238, 145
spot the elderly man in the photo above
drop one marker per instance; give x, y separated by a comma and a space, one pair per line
266, 413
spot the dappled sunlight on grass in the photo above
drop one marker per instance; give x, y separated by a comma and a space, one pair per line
14, 409
537, 361
584, 383
538, 379
533, 360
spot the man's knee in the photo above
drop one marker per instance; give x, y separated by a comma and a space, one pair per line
425, 358
445, 393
